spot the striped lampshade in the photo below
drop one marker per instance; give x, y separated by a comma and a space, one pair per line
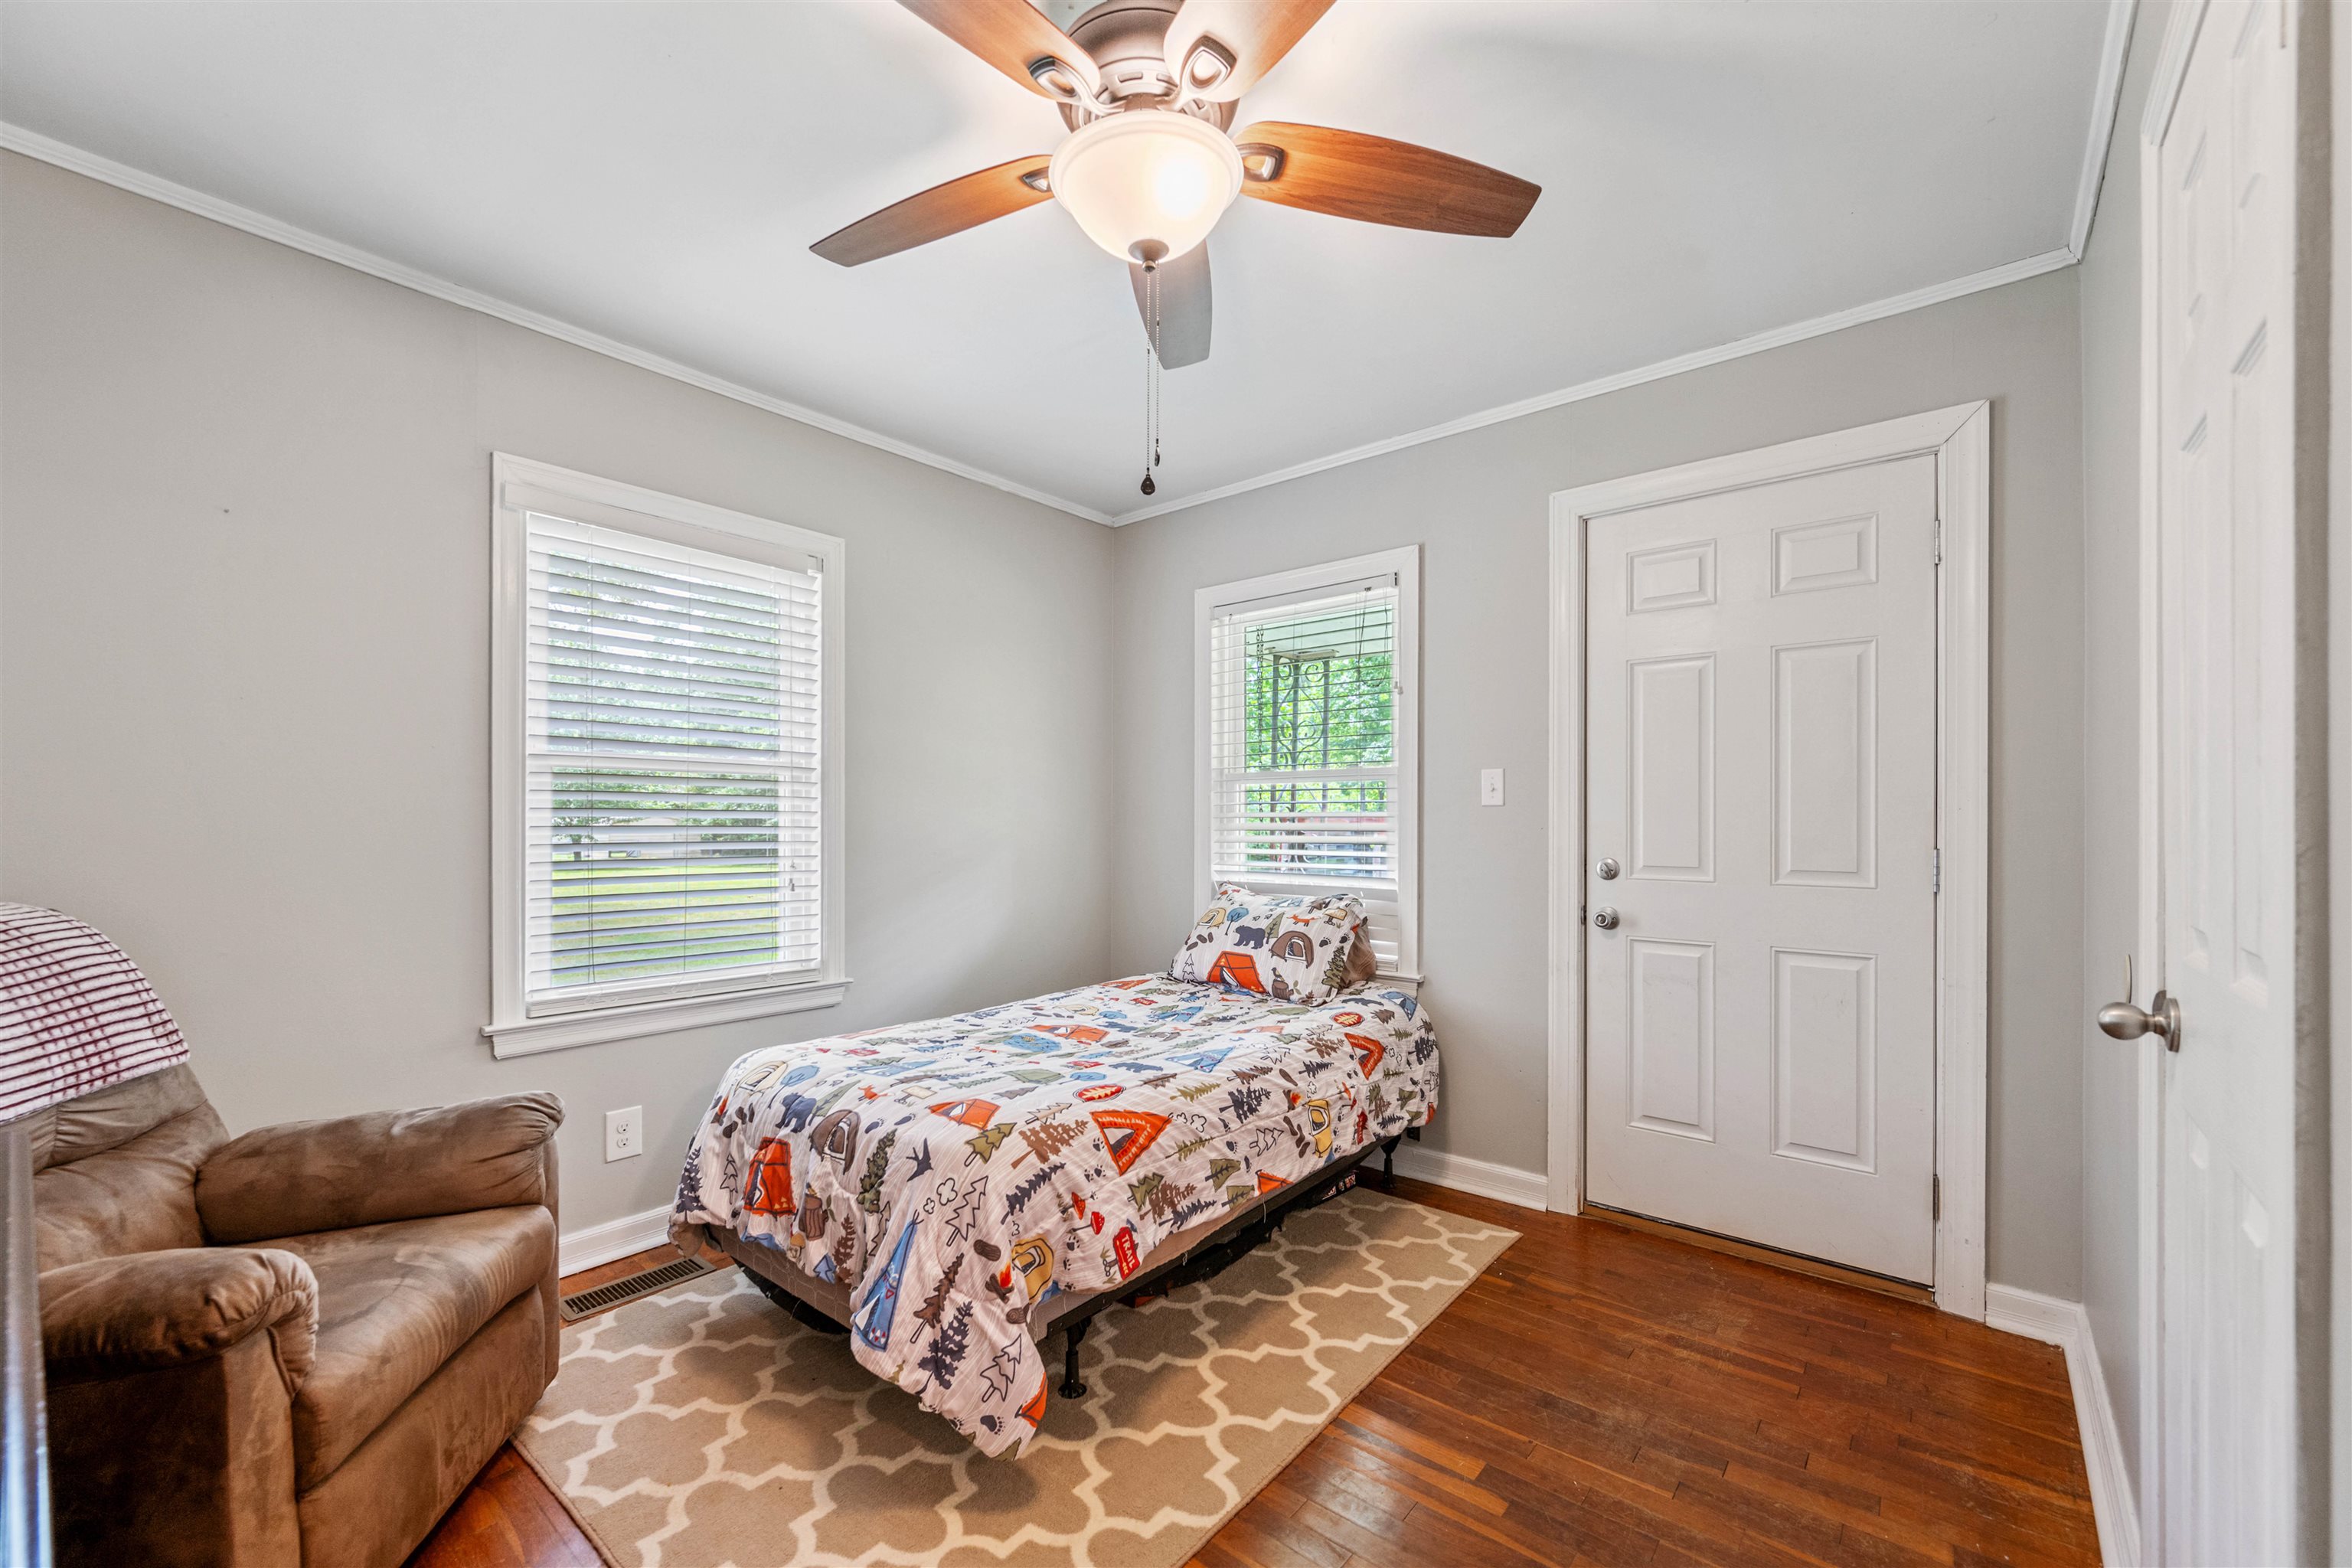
75, 1013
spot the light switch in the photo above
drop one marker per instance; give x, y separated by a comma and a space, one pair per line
1490, 787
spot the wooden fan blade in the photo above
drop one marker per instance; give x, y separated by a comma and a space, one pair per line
937, 212
1252, 36
1015, 37
1183, 307
1375, 180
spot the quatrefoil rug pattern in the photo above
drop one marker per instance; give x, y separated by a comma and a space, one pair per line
702, 1427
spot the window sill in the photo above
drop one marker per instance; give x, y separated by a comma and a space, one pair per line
529, 1035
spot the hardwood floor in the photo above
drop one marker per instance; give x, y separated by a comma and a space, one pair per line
1601, 1395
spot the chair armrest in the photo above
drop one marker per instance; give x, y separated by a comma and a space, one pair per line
304, 1176
140, 1311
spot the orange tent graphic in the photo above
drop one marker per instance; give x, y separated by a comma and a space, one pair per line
1238, 970
1369, 1052
969, 1112
768, 1181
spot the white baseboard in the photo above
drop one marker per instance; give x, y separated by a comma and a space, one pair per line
2067, 1326
1505, 1184
615, 1238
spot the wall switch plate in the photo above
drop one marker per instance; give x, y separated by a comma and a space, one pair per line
1490, 787
625, 1133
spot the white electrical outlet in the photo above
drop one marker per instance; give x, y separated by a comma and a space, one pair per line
1490, 787
625, 1133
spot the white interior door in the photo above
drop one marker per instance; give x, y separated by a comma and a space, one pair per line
1759, 831
2220, 217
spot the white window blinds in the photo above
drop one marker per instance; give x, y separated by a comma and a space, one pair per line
672, 780
1304, 780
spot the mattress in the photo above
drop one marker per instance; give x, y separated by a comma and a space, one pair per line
954, 1175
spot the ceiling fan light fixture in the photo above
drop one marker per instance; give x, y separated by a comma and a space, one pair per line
1146, 180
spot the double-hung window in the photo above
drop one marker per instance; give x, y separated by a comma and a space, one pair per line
667, 819
1308, 738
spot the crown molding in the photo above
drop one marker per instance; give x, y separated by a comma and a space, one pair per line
2106, 91
1739, 348
33, 144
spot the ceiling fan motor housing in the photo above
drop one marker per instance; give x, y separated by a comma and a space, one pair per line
1129, 39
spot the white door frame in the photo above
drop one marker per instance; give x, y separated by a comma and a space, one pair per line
1960, 439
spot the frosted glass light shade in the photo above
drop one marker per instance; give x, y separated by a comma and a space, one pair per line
1147, 178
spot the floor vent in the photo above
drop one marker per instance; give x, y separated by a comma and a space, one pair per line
605, 1296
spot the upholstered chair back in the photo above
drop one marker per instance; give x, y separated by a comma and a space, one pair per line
116, 1168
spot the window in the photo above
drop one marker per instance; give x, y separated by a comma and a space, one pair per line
668, 763
1308, 755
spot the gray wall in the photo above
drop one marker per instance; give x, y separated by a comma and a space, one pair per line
244, 586
243, 648
2112, 1070
1476, 503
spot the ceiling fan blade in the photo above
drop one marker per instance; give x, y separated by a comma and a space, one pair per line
1183, 307
1244, 39
1015, 37
1375, 180
937, 212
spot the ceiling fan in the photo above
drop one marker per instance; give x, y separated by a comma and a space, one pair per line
1149, 89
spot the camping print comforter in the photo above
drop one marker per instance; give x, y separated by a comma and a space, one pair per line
953, 1174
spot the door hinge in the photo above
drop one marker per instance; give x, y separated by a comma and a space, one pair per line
1940, 541
1935, 873
1935, 1197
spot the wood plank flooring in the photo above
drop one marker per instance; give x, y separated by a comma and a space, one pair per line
1605, 1397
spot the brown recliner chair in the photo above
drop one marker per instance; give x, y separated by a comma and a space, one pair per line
294, 1347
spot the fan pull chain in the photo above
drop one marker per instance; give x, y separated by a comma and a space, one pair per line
1150, 375
1158, 397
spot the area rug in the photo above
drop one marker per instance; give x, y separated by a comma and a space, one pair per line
702, 1426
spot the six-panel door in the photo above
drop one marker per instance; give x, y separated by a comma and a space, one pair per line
2222, 205
1761, 763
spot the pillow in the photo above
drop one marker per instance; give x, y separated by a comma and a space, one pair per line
1292, 948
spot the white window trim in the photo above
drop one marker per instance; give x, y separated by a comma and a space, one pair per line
1405, 563
511, 1031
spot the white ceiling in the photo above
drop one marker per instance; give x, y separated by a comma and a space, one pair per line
654, 173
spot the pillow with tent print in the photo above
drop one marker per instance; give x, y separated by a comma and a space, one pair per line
1292, 948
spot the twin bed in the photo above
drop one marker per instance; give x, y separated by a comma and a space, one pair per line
953, 1190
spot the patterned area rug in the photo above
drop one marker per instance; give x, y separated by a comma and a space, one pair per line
702, 1426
